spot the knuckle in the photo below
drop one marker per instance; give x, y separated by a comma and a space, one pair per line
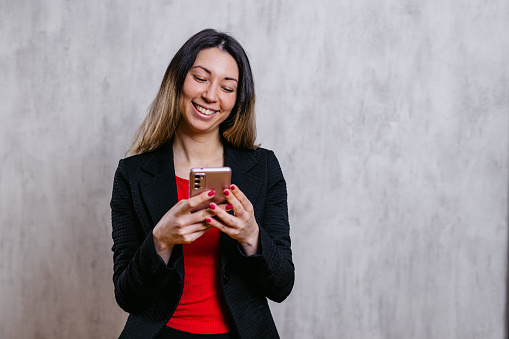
192, 203
232, 220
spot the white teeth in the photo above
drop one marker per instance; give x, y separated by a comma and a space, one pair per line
203, 110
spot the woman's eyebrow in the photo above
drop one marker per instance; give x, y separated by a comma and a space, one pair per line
209, 72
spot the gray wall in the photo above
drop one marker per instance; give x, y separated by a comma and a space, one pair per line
390, 119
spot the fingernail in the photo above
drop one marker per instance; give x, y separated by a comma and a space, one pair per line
208, 220
211, 193
229, 207
226, 192
232, 187
212, 206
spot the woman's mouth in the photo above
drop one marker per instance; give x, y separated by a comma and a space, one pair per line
203, 110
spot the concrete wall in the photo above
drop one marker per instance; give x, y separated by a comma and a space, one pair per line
390, 119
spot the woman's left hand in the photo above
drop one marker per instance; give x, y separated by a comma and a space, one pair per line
242, 225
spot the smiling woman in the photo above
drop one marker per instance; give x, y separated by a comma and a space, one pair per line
209, 92
209, 273
164, 114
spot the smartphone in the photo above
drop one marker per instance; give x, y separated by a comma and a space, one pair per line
209, 178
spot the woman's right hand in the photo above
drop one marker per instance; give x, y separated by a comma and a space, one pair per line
180, 226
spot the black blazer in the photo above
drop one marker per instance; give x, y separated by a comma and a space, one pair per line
144, 190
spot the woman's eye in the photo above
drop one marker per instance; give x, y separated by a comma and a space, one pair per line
198, 78
226, 89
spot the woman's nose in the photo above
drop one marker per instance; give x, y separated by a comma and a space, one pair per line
210, 94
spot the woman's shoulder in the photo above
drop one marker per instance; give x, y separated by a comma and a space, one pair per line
161, 154
264, 154
236, 152
135, 160
248, 157
141, 157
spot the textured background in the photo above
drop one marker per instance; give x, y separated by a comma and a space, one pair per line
390, 119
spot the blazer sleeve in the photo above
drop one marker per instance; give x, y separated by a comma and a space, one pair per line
139, 273
273, 269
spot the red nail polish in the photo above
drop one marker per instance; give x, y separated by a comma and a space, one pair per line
229, 207
208, 220
212, 206
226, 192
211, 193
232, 187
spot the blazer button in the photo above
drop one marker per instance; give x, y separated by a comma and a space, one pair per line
226, 278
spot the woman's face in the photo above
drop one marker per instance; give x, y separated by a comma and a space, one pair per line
209, 92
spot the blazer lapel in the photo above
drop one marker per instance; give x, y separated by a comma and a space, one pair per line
159, 191
247, 178
243, 168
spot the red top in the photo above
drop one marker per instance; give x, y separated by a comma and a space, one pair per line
201, 309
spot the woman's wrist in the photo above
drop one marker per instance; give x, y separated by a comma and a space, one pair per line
252, 245
162, 248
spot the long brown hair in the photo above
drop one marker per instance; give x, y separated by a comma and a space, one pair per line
163, 116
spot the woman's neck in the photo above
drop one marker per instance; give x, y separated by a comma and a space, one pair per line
204, 150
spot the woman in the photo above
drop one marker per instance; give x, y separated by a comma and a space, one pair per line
206, 274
